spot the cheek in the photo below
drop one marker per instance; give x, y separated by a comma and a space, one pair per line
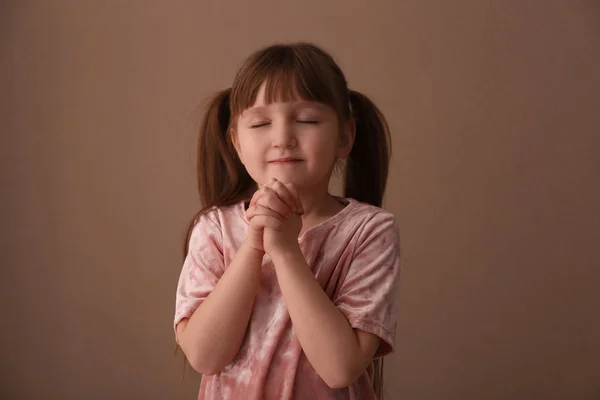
246, 144
252, 155
324, 148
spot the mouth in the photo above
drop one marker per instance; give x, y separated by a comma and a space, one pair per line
286, 160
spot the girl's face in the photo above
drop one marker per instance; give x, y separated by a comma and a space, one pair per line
296, 142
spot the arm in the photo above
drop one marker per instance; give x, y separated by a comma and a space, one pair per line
336, 337
212, 336
337, 352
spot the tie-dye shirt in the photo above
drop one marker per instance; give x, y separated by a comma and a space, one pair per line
355, 257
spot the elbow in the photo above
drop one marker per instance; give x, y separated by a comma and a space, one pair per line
341, 373
338, 382
202, 362
203, 366
205, 363
341, 378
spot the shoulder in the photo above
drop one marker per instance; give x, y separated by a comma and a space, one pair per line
221, 215
213, 220
370, 221
369, 215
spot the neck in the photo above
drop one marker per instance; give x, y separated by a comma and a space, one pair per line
316, 199
318, 207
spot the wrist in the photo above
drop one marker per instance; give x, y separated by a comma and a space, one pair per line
287, 255
250, 253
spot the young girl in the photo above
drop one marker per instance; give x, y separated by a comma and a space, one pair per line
288, 292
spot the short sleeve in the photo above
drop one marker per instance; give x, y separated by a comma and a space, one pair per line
368, 295
202, 267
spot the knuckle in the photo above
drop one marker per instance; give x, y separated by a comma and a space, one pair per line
265, 202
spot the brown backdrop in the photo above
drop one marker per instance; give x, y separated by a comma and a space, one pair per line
495, 111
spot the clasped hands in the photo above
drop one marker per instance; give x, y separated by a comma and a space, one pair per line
275, 219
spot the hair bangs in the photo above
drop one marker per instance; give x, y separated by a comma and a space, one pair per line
289, 75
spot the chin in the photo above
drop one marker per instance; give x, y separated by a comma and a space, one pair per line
286, 179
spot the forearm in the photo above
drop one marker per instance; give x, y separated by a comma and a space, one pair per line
212, 336
326, 337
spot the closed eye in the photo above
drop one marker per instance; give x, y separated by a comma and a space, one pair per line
306, 121
259, 125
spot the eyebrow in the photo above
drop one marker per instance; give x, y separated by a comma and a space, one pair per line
258, 109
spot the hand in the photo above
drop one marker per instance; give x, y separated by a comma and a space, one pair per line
274, 216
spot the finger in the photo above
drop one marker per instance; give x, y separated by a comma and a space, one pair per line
270, 197
256, 196
263, 191
269, 182
262, 221
275, 203
261, 217
292, 189
288, 197
258, 210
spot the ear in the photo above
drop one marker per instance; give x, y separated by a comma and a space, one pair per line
236, 143
347, 135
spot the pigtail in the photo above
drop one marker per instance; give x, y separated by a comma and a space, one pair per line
366, 173
368, 163
222, 178
378, 378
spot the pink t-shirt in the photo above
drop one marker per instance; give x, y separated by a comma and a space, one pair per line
355, 257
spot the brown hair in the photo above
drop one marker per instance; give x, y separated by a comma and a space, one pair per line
291, 71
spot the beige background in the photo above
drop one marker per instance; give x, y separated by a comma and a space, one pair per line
495, 111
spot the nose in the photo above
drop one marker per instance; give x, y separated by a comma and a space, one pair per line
284, 135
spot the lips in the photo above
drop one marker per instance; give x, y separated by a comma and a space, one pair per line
284, 160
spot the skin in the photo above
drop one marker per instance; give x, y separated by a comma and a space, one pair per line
289, 149
293, 197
